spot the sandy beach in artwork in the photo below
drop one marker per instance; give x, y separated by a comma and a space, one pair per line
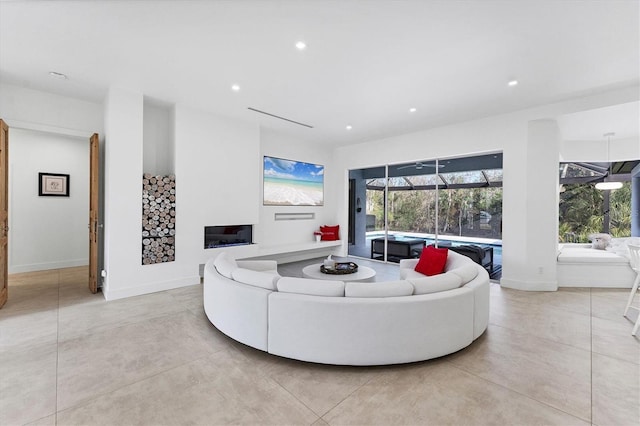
285, 192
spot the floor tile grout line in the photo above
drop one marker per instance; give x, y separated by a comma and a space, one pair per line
294, 397
514, 391
345, 398
542, 338
99, 395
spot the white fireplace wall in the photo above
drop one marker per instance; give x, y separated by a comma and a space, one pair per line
279, 232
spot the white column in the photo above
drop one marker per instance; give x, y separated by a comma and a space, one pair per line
123, 174
535, 237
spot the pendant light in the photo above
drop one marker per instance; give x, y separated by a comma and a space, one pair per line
607, 185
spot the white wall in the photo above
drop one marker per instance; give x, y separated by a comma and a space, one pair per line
217, 179
158, 149
36, 110
272, 232
47, 232
597, 151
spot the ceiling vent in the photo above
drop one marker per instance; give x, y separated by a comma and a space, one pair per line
281, 118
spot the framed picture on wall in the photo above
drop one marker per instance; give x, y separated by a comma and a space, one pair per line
292, 183
53, 185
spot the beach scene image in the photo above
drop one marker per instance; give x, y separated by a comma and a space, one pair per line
292, 183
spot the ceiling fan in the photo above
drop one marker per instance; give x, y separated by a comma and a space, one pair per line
419, 165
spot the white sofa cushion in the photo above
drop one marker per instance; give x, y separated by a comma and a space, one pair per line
262, 279
466, 272
258, 265
311, 287
578, 253
225, 264
435, 283
456, 260
383, 289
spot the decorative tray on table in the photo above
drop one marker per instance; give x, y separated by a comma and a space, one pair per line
340, 268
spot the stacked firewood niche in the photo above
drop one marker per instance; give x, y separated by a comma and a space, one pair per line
158, 218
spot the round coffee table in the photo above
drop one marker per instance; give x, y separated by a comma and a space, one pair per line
313, 271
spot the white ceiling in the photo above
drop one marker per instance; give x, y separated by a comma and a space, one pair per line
366, 64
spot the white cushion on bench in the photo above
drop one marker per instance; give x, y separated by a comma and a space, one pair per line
589, 255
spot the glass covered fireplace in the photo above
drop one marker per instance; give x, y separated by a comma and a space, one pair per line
229, 235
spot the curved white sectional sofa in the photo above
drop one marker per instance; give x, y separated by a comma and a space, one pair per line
353, 323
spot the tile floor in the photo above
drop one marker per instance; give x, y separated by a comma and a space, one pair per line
69, 357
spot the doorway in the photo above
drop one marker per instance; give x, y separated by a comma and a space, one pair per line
51, 186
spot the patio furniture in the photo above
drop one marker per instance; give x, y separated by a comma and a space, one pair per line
481, 255
397, 249
634, 252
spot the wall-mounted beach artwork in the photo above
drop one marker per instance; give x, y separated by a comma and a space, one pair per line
292, 183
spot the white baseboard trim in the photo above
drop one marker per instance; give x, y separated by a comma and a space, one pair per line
603, 284
33, 267
529, 285
150, 288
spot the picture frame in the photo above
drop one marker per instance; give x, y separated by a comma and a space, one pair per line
292, 183
53, 184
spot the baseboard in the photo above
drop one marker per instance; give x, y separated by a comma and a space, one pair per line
602, 284
18, 269
149, 288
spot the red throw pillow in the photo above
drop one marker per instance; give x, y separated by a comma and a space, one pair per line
330, 233
432, 260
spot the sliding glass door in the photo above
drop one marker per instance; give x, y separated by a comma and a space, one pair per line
405, 207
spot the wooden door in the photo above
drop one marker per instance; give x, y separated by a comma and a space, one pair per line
4, 212
94, 155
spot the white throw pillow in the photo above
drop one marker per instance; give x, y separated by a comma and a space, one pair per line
225, 265
466, 272
383, 289
311, 287
436, 283
600, 241
256, 278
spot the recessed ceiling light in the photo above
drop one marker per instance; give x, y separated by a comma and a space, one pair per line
56, 74
412, 110
301, 45
513, 83
349, 127
235, 88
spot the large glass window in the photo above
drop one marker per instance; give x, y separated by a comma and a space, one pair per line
584, 210
451, 202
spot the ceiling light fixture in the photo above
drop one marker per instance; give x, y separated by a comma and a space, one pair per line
235, 88
607, 185
56, 74
513, 83
349, 127
301, 45
412, 110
